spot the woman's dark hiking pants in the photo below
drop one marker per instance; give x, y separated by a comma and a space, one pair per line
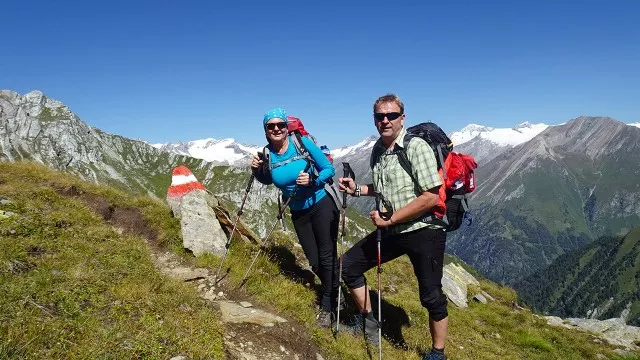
425, 248
317, 230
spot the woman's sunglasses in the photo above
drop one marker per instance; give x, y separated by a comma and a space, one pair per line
279, 125
391, 116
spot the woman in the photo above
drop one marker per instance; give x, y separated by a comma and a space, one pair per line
315, 216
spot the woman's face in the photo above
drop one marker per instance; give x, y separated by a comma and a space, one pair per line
276, 129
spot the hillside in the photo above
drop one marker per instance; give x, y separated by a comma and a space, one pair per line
550, 195
79, 284
37, 128
600, 280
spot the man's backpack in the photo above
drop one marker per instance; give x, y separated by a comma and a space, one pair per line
457, 171
296, 132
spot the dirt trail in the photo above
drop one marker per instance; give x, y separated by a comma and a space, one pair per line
247, 336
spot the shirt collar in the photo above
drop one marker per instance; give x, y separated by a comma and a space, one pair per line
399, 141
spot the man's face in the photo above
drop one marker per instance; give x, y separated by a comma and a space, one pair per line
387, 128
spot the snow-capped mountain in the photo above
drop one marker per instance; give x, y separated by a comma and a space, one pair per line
635, 124
500, 136
485, 143
225, 151
365, 144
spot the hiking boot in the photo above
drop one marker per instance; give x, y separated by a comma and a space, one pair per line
432, 355
359, 325
325, 319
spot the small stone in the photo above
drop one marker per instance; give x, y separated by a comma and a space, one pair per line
245, 304
319, 357
220, 294
201, 286
296, 357
180, 357
269, 324
489, 297
461, 347
496, 336
480, 298
282, 348
250, 343
600, 356
5, 202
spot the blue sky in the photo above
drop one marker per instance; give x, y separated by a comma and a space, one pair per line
169, 71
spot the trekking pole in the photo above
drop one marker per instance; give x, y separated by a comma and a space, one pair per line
347, 173
281, 218
379, 241
235, 224
264, 241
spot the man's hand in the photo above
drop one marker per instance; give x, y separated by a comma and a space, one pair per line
378, 221
304, 179
347, 185
256, 162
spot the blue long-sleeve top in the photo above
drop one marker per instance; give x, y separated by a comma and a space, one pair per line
284, 176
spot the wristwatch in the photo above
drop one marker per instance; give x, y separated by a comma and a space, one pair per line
357, 193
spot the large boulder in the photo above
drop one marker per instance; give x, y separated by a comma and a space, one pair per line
194, 206
455, 281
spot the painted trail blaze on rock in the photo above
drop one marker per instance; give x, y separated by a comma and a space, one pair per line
182, 182
193, 205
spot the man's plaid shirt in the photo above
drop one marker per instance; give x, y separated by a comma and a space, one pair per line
396, 186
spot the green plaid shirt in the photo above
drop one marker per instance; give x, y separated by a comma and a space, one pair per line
396, 186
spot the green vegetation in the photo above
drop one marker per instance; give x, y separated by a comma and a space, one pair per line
588, 277
73, 287
76, 288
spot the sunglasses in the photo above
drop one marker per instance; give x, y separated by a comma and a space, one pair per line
391, 116
279, 125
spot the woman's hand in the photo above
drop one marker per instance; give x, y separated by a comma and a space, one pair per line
256, 162
347, 185
304, 179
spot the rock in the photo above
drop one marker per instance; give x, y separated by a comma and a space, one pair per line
6, 214
191, 203
496, 336
180, 357
480, 298
486, 295
220, 294
319, 357
455, 280
614, 331
187, 274
5, 202
245, 304
234, 313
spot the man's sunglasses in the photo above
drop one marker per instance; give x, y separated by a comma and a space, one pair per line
280, 125
391, 116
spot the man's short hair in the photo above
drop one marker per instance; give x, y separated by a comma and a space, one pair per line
389, 98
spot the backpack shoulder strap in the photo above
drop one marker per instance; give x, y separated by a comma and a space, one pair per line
403, 159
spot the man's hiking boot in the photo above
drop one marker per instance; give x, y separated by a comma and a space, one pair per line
359, 325
433, 355
325, 319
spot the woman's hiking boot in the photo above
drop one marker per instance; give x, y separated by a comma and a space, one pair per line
367, 325
325, 319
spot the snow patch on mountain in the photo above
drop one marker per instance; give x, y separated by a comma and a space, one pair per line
635, 124
500, 136
363, 145
224, 151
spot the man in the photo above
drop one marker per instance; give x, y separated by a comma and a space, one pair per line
411, 228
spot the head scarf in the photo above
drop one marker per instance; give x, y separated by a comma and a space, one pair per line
275, 113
